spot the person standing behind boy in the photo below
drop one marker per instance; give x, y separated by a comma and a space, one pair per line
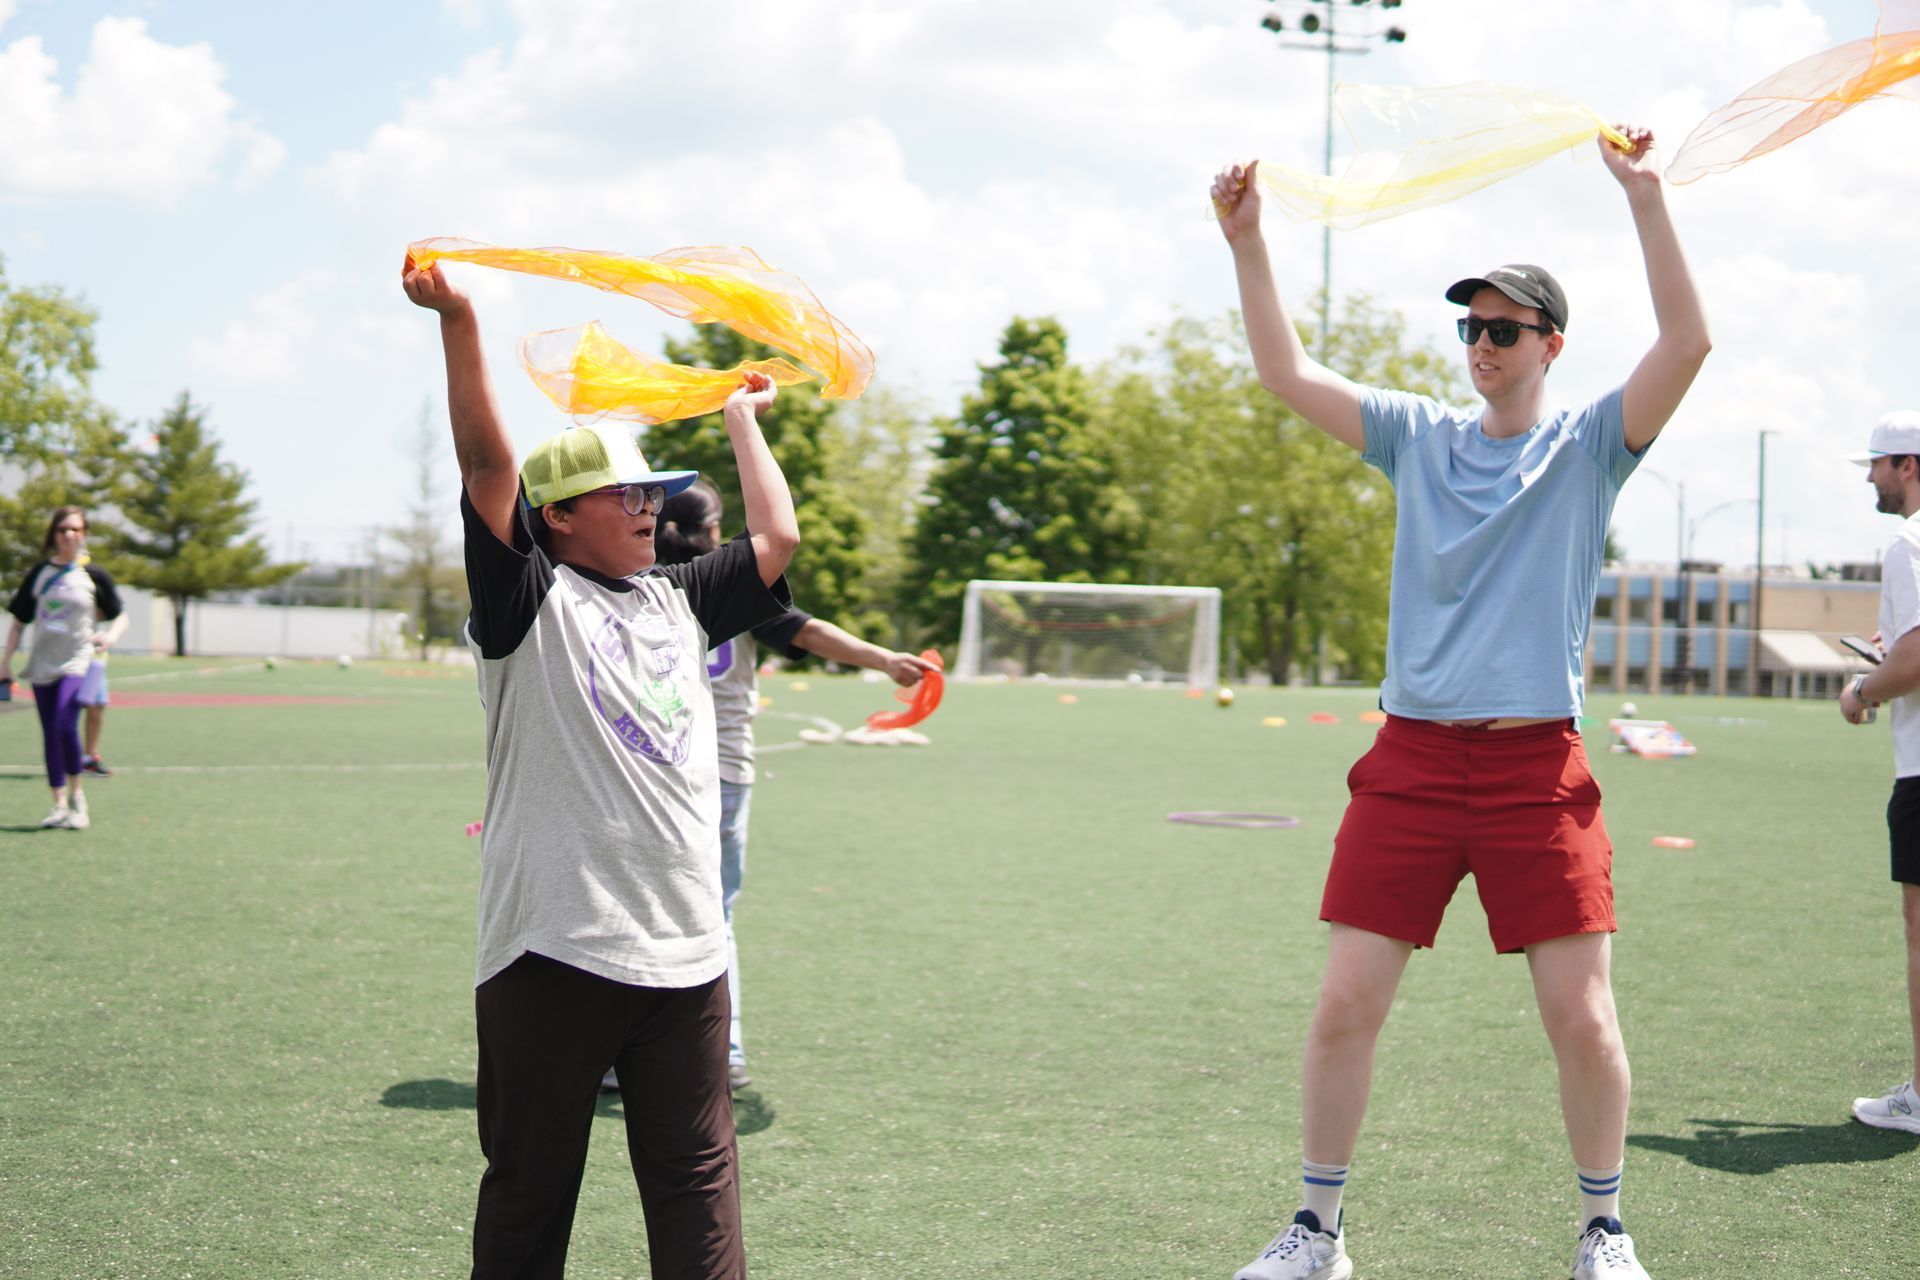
1892, 460
690, 527
1502, 516
93, 702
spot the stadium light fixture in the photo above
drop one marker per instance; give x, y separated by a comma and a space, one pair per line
1325, 34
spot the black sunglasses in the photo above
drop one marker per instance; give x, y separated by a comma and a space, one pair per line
1503, 332
635, 498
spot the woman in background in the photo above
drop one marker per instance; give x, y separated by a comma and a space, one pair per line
65, 599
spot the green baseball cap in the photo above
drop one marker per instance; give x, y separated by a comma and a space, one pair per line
582, 459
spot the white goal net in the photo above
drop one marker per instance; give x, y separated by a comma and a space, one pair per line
1089, 631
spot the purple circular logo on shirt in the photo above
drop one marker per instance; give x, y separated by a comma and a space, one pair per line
649, 665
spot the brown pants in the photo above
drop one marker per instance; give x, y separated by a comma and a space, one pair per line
548, 1033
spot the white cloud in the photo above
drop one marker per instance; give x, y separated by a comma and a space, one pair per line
145, 121
266, 345
933, 170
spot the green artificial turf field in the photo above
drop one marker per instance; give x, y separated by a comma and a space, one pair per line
1004, 1019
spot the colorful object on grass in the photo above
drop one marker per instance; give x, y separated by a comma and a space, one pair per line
921, 700
475, 828
1274, 722
713, 284
1068, 699
1416, 147
1323, 717
1245, 821
1672, 842
1649, 739
588, 374
1798, 99
1372, 717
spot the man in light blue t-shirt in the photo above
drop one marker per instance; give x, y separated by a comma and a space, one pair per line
1502, 515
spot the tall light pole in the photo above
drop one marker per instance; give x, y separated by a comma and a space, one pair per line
1759, 558
1314, 31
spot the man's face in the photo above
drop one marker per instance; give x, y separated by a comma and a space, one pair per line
1889, 486
1498, 371
598, 534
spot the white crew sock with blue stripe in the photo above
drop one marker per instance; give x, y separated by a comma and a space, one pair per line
1599, 1193
1322, 1186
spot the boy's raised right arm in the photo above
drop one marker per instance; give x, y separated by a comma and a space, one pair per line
1315, 392
480, 440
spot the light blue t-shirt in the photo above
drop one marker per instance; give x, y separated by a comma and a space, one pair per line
1496, 555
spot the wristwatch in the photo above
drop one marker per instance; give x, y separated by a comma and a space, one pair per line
1859, 686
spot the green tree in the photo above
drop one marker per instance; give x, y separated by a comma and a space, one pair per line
188, 516
1293, 527
46, 363
878, 451
63, 445
89, 468
1023, 488
828, 577
429, 572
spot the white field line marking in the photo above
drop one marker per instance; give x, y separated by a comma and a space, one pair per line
408, 766
169, 675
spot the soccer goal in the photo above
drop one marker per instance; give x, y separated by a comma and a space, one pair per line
1089, 631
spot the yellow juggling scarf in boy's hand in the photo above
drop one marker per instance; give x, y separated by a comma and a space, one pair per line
709, 285
1416, 147
1798, 99
590, 375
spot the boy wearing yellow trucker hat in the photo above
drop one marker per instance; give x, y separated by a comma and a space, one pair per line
602, 942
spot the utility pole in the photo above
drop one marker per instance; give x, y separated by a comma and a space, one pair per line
1759, 557
1317, 33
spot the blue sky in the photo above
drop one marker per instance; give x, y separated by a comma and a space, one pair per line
232, 186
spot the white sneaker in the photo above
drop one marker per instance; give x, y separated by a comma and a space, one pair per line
1898, 1109
1605, 1252
59, 819
1299, 1252
77, 819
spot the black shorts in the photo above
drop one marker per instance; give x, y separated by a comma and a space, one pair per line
1903, 829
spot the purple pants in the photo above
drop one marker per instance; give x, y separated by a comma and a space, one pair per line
59, 707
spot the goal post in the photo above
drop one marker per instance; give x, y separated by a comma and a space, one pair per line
1089, 631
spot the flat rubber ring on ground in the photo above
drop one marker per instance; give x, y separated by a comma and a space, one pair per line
1217, 818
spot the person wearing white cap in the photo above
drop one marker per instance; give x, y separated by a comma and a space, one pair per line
602, 942
1892, 460
1501, 519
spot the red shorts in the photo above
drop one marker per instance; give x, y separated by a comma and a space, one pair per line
1516, 807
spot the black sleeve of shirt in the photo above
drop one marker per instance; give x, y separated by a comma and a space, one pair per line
507, 583
23, 604
778, 633
106, 596
725, 592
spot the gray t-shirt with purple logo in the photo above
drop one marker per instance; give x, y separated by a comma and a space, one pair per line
733, 666
601, 847
64, 604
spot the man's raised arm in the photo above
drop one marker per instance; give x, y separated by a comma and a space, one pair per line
1656, 386
1309, 388
479, 439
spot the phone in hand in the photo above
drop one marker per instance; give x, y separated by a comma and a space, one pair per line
1865, 648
